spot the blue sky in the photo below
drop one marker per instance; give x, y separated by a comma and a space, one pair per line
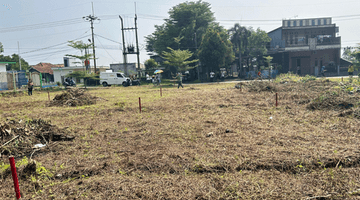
43, 27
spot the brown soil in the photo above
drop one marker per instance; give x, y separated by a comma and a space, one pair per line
214, 142
28, 134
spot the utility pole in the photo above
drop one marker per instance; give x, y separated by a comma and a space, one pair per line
130, 49
137, 48
19, 55
91, 18
124, 48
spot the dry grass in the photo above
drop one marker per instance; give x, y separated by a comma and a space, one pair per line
200, 142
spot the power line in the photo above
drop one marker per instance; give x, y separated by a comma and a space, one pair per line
155, 17
53, 45
105, 49
41, 25
50, 35
108, 39
58, 51
47, 11
40, 57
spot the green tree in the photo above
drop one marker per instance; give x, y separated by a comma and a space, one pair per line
268, 60
257, 45
81, 74
151, 64
178, 59
239, 37
348, 54
82, 47
216, 49
356, 61
14, 58
252, 44
178, 32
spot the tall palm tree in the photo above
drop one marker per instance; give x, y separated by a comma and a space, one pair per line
239, 36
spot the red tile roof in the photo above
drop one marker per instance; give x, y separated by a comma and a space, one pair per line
46, 67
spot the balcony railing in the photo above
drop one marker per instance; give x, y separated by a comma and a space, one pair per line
328, 41
319, 41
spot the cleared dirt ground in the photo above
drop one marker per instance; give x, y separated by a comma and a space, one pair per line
201, 142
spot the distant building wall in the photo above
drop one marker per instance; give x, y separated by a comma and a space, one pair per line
276, 39
3, 81
310, 62
131, 68
2, 67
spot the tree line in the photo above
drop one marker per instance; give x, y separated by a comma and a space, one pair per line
13, 58
190, 37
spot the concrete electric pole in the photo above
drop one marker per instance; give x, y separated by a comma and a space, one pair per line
92, 18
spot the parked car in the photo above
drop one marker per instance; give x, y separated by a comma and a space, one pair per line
114, 78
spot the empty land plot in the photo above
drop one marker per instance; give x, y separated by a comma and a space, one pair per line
201, 142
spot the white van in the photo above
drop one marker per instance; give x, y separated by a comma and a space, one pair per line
114, 78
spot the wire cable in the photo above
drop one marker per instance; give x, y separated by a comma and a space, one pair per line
108, 39
50, 35
104, 48
53, 45
42, 25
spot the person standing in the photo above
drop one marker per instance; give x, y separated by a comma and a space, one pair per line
148, 78
212, 76
298, 70
323, 71
179, 78
351, 70
30, 87
259, 74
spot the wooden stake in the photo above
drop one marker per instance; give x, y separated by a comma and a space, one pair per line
276, 99
140, 104
49, 95
160, 91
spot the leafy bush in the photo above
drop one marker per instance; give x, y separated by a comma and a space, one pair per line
308, 78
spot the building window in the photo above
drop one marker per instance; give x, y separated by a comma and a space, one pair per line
316, 63
301, 23
296, 39
319, 22
325, 21
288, 23
313, 22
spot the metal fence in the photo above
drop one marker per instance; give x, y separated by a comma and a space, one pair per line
13, 80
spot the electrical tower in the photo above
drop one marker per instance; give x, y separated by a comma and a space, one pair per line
130, 49
92, 18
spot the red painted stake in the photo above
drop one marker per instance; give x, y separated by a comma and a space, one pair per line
160, 91
15, 178
140, 104
276, 99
